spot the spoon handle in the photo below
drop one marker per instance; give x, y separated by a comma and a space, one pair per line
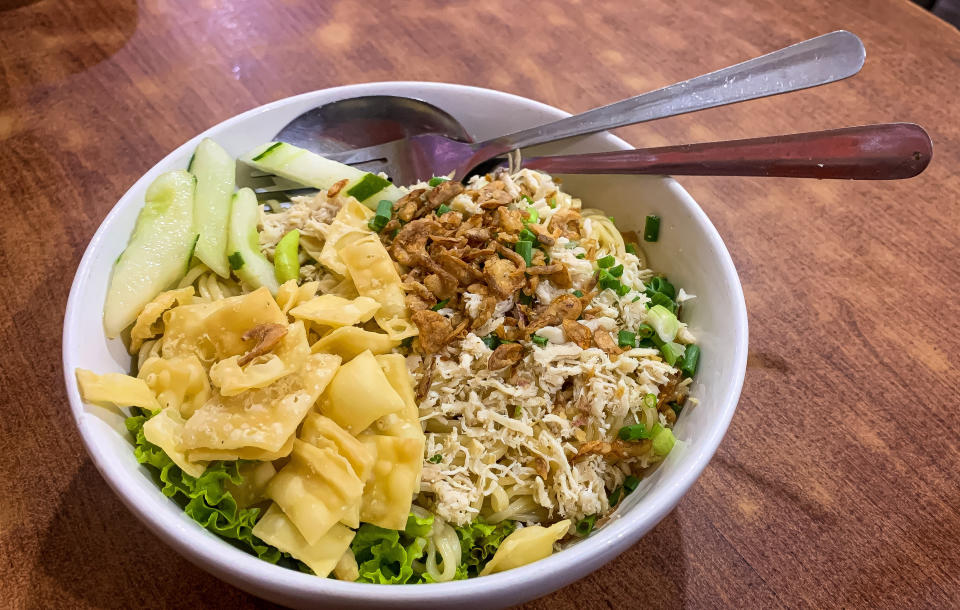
886, 151
824, 59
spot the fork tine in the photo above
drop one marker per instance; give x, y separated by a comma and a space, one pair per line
386, 151
374, 167
373, 159
277, 192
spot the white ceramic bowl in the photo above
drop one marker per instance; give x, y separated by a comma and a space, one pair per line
689, 251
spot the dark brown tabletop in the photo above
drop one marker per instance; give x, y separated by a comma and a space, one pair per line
837, 484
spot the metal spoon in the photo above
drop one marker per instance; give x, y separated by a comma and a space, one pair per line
817, 61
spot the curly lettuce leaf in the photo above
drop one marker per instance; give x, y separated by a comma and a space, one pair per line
387, 556
205, 499
479, 542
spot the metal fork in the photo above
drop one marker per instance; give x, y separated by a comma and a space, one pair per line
824, 59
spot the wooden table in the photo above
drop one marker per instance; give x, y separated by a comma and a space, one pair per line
837, 484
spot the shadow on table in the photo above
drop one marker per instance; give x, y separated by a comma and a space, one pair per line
48, 41
650, 574
95, 553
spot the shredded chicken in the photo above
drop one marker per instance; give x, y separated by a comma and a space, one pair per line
538, 420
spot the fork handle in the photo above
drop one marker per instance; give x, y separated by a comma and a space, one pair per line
887, 151
824, 59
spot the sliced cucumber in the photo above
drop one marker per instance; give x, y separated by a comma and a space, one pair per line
216, 176
311, 169
243, 244
158, 253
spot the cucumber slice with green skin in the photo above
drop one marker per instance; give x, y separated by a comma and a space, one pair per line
311, 169
243, 244
158, 253
216, 177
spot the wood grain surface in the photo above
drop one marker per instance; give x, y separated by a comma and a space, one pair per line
837, 484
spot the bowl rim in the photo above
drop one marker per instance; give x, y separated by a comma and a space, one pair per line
257, 576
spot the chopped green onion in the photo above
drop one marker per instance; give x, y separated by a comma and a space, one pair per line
606, 281
585, 526
437, 180
614, 498
382, 217
635, 432
385, 208
671, 352
663, 441
631, 249
552, 202
612, 219
525, 249
658, 298
606, 261
517, 411
645, 331
368, 186
635, 299
570, 245
581, 256
650, 401
527, 235
630, 484
534, 216
286, 257
527, 199
578, 293
616, 271
660, 284
664, 322
235, 260
691, 357
648, 342
436, 459
651, 228
491, 341
625, 338
622, 290
541, 341
440, 305
677, 407
443, 209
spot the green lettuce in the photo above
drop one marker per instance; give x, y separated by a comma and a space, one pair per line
205, 499
387, 556
479, 542
396, 557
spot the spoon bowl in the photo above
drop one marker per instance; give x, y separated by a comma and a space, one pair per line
367, 121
